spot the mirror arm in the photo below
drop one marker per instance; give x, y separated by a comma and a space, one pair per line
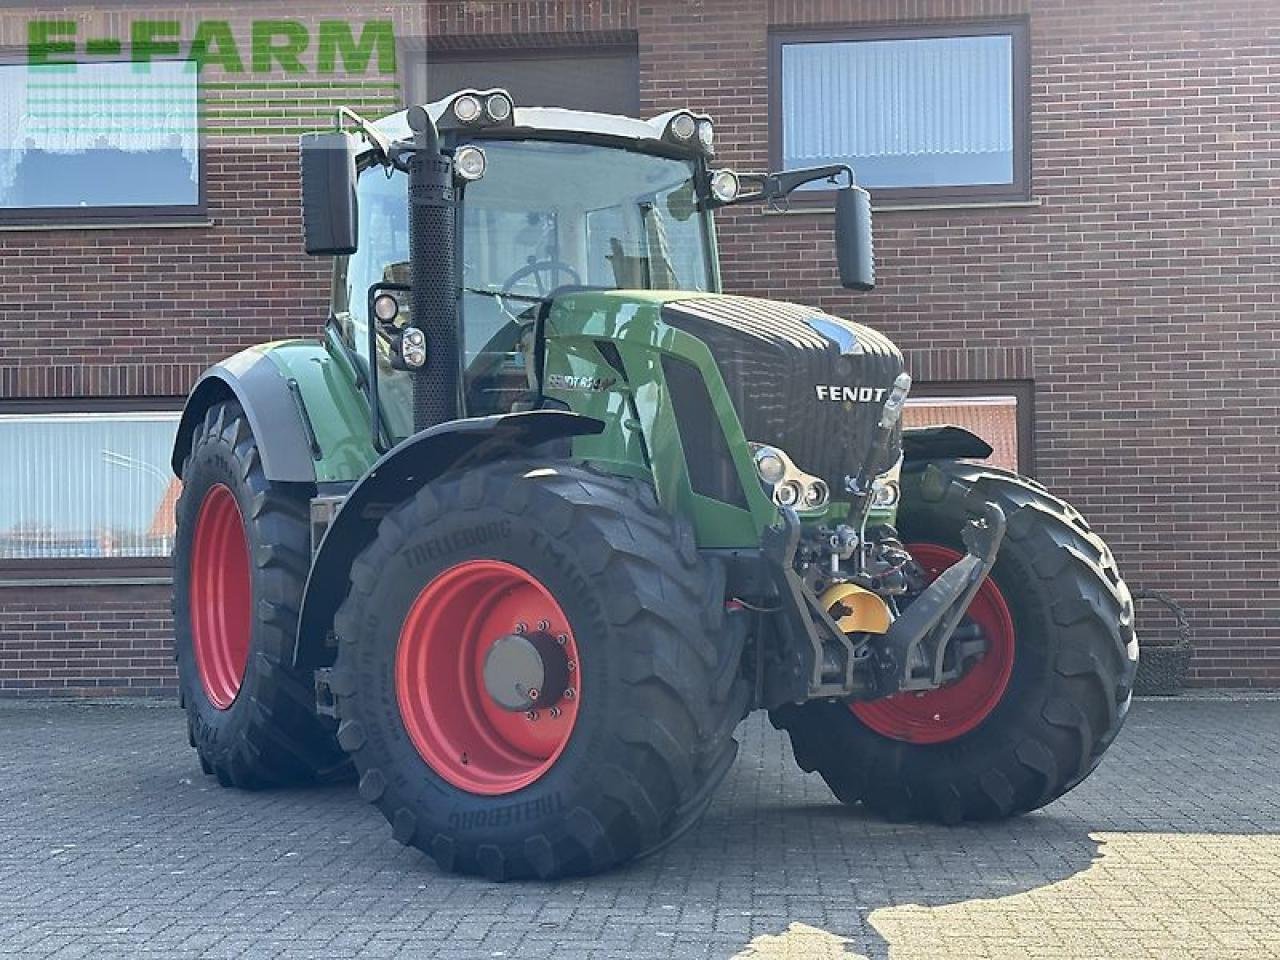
778, 185
371, 133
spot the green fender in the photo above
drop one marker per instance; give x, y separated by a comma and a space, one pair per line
306, 406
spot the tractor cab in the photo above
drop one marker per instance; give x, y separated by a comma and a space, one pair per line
536, 215
547, 199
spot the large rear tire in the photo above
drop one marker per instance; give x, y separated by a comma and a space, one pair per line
614, 767
1029, 721
240, 563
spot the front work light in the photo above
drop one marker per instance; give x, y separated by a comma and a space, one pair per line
413, 347
885, 494
683, 126
466, 108
706, 133
788, 494
469, 163
725, 186
498, 106
816, 495
386, 308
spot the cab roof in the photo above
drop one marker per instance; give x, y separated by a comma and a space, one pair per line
549, 120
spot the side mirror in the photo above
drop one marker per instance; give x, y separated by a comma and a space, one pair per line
854, 251
329, 217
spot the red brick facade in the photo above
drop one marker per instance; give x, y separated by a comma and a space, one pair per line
1137, 290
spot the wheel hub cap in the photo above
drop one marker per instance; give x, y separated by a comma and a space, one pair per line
524, 671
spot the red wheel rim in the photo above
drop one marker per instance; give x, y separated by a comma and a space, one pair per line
951, 711
456, 726
221, 597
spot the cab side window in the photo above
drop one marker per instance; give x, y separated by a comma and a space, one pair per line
382, 257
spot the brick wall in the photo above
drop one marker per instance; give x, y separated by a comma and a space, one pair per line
1139, 292
86, 642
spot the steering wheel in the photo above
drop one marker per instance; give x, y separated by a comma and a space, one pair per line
537, 269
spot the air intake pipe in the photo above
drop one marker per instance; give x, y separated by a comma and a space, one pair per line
433, 275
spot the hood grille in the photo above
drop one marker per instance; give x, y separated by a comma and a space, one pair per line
773, 355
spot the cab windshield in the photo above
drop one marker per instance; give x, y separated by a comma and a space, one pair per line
545, 215
548, 214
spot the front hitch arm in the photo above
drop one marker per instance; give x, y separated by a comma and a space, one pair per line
932, 617
820, 660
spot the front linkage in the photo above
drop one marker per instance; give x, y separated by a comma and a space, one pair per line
819, 659
823, 662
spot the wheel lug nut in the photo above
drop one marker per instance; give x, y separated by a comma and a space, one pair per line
533, 693
522, 627
555, 712
562, 639
531, 715
571, 666
544, 625
570, 693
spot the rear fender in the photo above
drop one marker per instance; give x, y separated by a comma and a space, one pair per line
395, 478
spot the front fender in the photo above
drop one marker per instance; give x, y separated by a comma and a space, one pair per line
396, 477
251, 378
944, 442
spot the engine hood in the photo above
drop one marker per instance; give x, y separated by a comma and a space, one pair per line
801, 379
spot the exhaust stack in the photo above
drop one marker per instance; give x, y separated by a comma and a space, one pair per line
433, 275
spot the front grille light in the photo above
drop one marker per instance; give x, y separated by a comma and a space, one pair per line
787, 484
816, 495
787, 493
771, 465
885, 494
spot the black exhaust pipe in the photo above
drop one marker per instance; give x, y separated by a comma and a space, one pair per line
433, 275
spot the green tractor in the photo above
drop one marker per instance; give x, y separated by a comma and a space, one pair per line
544, 514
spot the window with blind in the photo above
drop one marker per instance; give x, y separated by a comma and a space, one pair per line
86, 486
99, 141
920, 114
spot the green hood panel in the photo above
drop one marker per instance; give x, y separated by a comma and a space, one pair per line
605, 358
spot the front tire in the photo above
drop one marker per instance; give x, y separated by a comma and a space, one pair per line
619, 764
240, 563
1029, 721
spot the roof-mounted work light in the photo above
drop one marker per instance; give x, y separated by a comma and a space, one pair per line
477, 109
688, 130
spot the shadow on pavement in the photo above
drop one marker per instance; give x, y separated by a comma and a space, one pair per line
1147, 836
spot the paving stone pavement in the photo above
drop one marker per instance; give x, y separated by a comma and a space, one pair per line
112, 844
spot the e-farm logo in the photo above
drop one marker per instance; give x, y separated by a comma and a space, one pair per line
273, 45
255, 77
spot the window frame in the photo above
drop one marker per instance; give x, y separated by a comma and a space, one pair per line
73, 571
1023, 392
135, 215
1019, 191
